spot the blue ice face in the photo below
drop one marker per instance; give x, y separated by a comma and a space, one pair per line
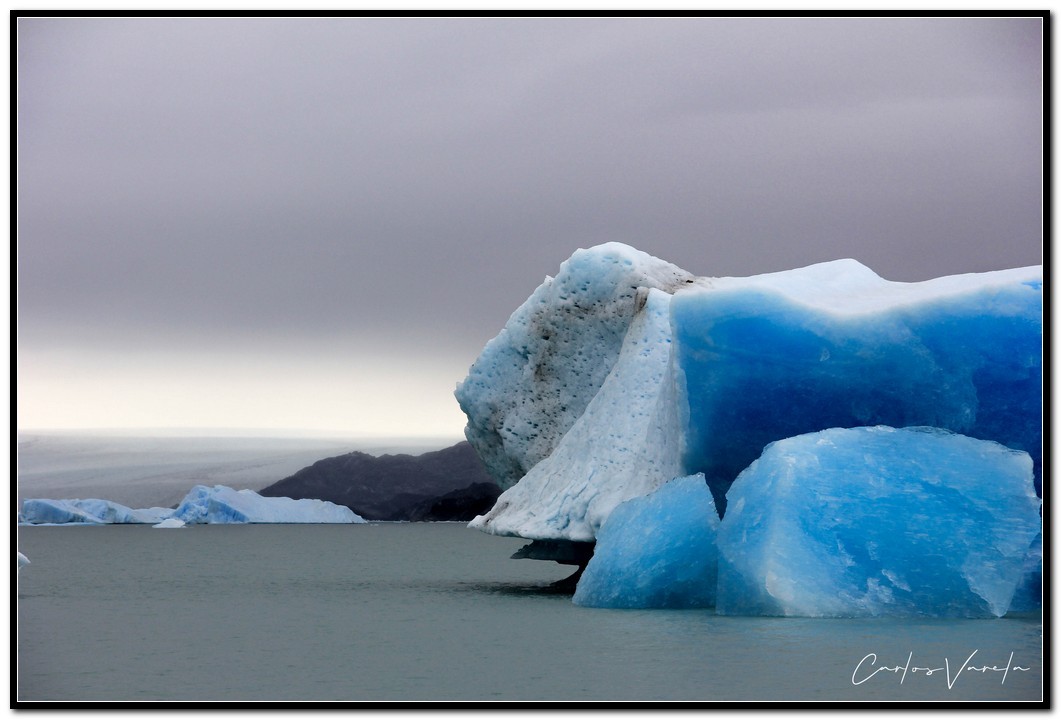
92, 511
761, 366
656, 551
40, 511
878, 521
1029, 595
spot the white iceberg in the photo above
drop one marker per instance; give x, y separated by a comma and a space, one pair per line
22, 560
624, 445
170, 523
878, 521
223, 505
536, 378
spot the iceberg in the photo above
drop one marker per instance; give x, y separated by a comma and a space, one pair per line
536, 378
223, 505
22, 560
1029, 595
656, 551
39, 511
627, 437
878, 521
218, 504
170, 523
625, 371
834, 345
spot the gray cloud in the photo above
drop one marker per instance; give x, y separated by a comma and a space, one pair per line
194, 181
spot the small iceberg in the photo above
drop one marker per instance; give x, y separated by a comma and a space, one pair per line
171, 522
222, 505
202, 505
22, 560
37, 511
656, 551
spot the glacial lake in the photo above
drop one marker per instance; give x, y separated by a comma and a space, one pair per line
437, 612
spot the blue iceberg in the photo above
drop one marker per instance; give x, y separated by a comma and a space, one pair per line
878, 521
656, 551
92, 511
202, 504
220, 505
834, 345
625, 371
1029, 595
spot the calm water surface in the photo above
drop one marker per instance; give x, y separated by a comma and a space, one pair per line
437, 612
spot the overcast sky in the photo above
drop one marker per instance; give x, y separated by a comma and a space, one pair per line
317, 224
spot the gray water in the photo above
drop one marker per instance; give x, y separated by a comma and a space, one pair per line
438, 612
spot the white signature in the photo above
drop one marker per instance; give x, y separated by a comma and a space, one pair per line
867, 667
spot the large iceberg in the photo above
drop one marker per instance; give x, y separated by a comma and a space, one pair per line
625, 371
878, 521
656, 551
214, 505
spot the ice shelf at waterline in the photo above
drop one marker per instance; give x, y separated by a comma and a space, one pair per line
202, 505
624, 372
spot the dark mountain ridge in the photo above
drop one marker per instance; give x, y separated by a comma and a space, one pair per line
447, 484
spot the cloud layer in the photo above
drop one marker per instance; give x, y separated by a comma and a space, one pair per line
393, 189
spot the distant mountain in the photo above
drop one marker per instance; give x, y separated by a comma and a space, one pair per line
448, 484
463, 504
